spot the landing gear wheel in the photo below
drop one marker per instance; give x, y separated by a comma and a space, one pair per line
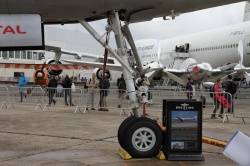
143, 138
122, 130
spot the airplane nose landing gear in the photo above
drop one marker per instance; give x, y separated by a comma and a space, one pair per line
141, 137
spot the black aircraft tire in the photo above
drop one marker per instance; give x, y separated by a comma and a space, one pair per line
122, 130
143, 138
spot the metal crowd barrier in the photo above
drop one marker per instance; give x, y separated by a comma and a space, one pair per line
5, 97
112, 100
30, 95
40, 96
74, 97
240, 108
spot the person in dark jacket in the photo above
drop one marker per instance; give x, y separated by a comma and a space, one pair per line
104, 86
121, 84
67, 83
189, 88
52, 89
230, 88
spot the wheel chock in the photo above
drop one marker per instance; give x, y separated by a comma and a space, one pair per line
124, 154
215, 142
161, 156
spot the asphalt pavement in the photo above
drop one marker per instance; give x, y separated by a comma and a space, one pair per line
60, 137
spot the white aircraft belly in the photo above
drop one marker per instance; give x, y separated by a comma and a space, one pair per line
67, 11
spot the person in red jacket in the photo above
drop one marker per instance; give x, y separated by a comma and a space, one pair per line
218, 92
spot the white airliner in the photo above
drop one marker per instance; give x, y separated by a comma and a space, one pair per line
20, 28
206, 54
194, 119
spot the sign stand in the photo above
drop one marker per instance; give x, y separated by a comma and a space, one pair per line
183, 139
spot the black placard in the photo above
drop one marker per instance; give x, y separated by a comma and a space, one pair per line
183, 139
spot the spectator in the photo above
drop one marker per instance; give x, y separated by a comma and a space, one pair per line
104, 86
52, 89
231, 88
22, 82
67, 83
217, 93
189, 88
121, 84
244, 83
92, 85
143, 81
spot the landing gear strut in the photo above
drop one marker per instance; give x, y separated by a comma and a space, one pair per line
140, 136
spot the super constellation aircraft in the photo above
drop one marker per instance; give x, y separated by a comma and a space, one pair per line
21, 28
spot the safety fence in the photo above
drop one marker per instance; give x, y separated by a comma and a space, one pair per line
80, 98
223, 106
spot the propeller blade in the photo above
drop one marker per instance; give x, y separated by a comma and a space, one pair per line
240, 52
158, 50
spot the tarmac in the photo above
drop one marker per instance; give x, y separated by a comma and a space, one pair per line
60, 137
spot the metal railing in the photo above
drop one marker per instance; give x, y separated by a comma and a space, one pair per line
39, 97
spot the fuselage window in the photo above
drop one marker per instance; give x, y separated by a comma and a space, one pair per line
41, 55
23, 56
236, 45
17, 54
29, 55
11, 54
5, 54
34, 55
233, 45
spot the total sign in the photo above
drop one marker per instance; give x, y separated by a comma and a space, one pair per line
21, 31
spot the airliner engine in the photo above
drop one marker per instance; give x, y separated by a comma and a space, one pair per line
53, 72
41, 77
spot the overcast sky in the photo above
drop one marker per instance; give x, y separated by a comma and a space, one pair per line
184, 24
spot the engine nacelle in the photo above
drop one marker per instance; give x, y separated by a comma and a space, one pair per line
200, 71
40, 78
53, 72
99, 72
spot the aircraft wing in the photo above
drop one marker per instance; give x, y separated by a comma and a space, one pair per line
53, 11
237, 72
201, 72
116, 67
76, 54
175, 75
180, 119
59, 50
79, 66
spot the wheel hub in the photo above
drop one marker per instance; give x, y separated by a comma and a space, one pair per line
143, 139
